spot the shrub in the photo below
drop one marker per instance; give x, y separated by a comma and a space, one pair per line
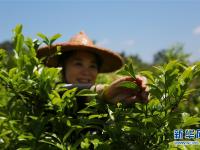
38, 113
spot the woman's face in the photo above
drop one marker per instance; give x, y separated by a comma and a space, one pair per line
81, 67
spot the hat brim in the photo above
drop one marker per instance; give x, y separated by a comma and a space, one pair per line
111, 61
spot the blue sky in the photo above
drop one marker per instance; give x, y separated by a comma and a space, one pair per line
137, 27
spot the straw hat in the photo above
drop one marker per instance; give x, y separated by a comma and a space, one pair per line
111, 61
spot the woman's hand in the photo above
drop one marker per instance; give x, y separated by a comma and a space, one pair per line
115, 92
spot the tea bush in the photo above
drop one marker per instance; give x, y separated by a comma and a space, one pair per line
37, 112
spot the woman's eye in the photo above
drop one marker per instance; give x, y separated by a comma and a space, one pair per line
78, 64
93, 66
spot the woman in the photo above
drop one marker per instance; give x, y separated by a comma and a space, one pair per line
81, 61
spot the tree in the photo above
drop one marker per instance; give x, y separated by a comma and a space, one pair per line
176, 52
7, 45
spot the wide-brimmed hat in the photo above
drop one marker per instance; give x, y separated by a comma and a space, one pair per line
111, 61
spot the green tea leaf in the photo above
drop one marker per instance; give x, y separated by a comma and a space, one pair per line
131, 71
85, 143
54, 37
68, 134
123, 72
96, 142
86, 92
188, 121
26, 137
148, 74
129, 84
19, 44
18, 29
44, 38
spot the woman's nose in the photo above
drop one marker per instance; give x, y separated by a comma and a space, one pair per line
86, 71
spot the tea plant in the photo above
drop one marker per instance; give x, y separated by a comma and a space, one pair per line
38, 113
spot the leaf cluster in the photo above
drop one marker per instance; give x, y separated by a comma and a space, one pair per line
37, 113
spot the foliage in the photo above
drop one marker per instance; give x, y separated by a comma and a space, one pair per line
37, 113
175, 52
7, 45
